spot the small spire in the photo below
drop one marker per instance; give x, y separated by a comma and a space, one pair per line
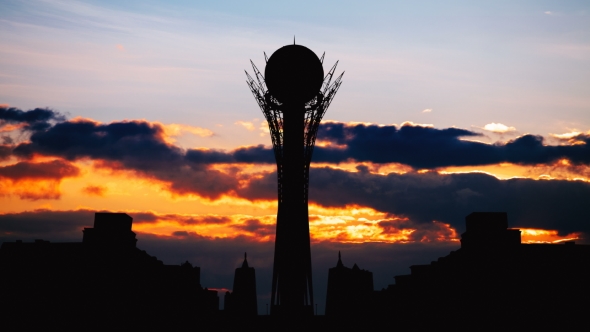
339, 264
245, 264
293, 39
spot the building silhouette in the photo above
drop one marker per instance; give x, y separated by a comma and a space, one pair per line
494, 277
349, 290
105, 276
242, 300
293, 95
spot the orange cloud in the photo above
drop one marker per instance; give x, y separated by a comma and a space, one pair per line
531, 235
11, 127
31, 189
562, 169
33, 181
94, 190
174, 130
246, 124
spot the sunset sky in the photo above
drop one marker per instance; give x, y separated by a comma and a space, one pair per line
446, 108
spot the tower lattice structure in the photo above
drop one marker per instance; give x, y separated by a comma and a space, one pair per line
293, 130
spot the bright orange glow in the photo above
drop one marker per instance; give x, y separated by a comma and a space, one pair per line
30, 189
259, 228
11, 127
531, 235
562, 169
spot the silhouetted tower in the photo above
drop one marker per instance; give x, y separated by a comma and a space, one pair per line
297, 98
243, 300
349, 290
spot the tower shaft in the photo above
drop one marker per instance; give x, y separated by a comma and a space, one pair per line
292, 290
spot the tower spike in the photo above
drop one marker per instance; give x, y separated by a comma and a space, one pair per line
322, 58
265, 57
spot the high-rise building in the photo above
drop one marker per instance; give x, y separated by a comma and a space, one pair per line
242, 300
350, 290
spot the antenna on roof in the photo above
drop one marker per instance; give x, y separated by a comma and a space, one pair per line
293, 39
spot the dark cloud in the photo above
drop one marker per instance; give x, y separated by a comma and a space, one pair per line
45, 224
36, 119
547, 204
143, 217
256, 154
44, 179
137, 146
416, 146
51, 170
205, 219
149, 217
262, 187
5, 152
255, 227
425, 147
448, 198
421, 232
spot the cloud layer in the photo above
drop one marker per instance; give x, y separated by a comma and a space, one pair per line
140, 147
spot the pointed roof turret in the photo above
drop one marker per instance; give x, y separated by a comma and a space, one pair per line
245, 264
339, 264
355, 267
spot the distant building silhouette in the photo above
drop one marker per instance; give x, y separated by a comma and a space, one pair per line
242, 301
105, 275
349, 290
494, 277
